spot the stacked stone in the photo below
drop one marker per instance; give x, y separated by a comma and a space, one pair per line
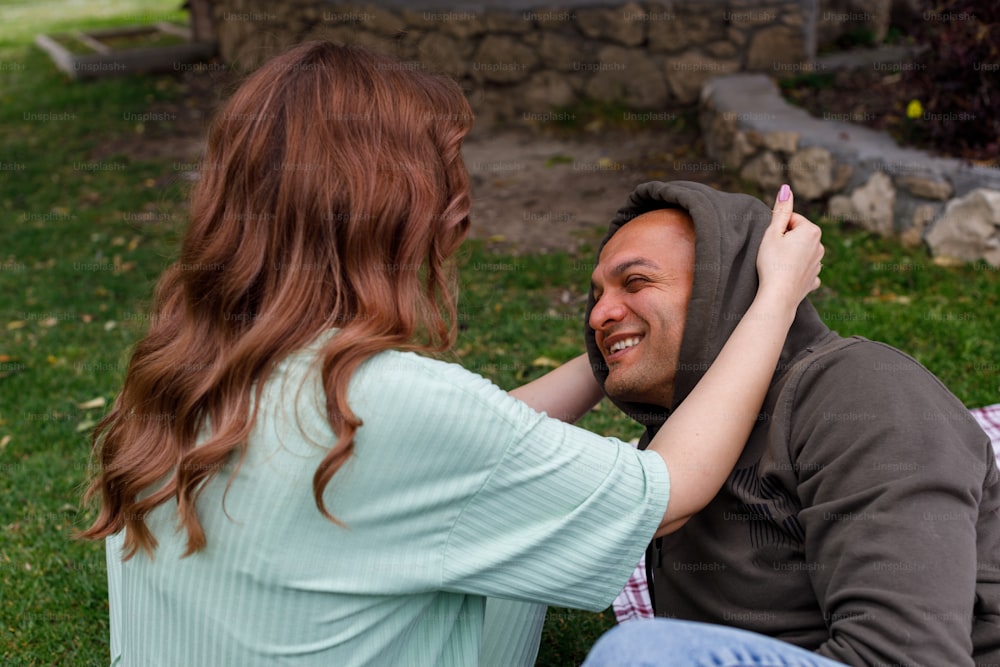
863, 175
528, 63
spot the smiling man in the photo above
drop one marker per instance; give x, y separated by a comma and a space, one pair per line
861, 521
640, 325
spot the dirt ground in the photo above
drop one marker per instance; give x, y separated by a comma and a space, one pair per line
539, 191
535, 188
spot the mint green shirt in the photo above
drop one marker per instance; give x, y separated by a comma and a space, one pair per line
455, 492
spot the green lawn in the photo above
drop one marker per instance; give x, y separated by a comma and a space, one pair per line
83, 240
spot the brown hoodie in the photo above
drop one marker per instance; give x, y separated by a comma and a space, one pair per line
861, 519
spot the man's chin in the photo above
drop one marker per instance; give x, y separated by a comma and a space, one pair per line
620, 391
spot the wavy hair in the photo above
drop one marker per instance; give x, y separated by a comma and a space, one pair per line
332, 195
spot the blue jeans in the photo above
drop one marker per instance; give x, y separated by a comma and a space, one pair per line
664, 642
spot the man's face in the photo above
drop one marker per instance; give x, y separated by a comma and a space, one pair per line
642, 284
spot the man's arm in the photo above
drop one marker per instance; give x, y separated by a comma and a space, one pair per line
565, 393
891, 475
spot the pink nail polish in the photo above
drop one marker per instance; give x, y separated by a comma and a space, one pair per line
784, 193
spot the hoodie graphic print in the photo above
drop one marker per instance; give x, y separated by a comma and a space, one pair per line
862, 520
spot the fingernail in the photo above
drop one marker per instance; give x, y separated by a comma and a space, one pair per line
784, 193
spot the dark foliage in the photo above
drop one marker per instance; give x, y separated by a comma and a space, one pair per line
960, 74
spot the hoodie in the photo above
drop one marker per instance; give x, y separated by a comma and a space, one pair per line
861, 520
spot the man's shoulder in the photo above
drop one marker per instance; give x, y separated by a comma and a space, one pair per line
856, 384
858, 361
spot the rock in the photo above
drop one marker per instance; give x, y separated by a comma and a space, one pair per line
927, 188
913, 236
503, 59
783, 142
331, 32
718, 130
506, 22
549, 19
496, 106
774, 45
559, 52
736, 36
841, 176
373, 41
810, 172
545, 91
263, 46
419, 19
839, 208
383, 22
969, 230
750, 17
766, 170
232, 36
627, 75
687, 73
722, 50
442, 53
696, 25
460, 24
625, 25
794, 19
738, 150
870, 205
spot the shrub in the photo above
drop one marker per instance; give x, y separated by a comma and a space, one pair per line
960, 72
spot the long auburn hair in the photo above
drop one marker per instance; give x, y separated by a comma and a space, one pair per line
332, 194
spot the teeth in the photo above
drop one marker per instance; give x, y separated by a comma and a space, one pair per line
624, 343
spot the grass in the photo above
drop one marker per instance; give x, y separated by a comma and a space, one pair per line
84, 240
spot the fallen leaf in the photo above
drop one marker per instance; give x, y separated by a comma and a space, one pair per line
49, 322
546, 362
945, 260
85, 425
98, 402
16, 324
4, 358
4, 440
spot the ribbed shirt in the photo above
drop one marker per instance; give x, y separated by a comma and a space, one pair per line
455, 492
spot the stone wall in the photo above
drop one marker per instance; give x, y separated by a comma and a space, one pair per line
530, 62
861, 174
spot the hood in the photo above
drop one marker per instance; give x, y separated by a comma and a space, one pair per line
728, 231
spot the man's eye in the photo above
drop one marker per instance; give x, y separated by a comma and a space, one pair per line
634, 282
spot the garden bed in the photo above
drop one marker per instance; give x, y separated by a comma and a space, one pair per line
159, 47
882, 99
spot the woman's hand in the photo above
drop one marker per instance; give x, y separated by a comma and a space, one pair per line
788, 261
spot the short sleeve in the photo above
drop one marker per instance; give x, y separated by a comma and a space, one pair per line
563, 517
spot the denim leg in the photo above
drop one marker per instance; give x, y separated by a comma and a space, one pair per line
663, 642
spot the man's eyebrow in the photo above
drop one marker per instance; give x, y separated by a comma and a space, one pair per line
622, 267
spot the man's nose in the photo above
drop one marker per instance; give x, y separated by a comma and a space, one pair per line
608, 310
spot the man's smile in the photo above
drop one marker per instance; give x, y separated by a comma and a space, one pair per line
618, 345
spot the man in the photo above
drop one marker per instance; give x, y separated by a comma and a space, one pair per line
861, 521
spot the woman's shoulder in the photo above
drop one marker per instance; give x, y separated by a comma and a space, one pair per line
435, 374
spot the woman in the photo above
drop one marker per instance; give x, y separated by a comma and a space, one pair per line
284, 480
